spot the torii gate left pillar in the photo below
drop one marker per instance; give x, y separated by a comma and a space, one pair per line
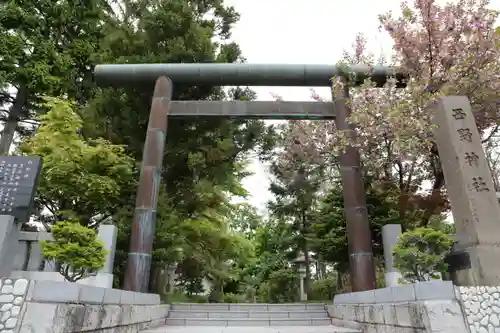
144, 222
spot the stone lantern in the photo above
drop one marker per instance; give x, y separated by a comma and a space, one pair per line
300, 261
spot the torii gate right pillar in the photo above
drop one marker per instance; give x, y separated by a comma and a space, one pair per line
471, 192
359, 237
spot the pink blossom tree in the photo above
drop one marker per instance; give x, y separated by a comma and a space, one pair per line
452, 49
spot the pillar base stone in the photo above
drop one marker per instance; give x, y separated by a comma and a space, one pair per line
484, 268
392, 279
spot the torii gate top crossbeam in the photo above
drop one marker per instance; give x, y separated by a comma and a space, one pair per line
224, 74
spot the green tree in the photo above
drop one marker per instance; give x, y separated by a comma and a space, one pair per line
47, 48
275, 247
244, 218
81, 179
282, 286
75, 250
329, 233
199, 152
420, 254
296, 186
203, 157
324, 289
394, 126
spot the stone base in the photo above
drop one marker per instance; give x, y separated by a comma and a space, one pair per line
392, 279
50, 306
103, 280
426, 307
484, 271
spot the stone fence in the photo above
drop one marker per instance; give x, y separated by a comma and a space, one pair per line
430, 307
30, 264
51, 306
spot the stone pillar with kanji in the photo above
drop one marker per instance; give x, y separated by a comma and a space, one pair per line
471, 192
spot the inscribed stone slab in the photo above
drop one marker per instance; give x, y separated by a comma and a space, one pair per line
470, 187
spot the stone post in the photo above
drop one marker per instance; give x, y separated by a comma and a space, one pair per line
9, 237
390, 236
300, 261
470, 189
107, 234
302, 276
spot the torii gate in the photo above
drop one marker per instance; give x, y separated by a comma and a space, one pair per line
143, 226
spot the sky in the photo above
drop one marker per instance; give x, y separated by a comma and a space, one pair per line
303, 32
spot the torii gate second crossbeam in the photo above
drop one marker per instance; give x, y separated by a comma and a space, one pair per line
143, 226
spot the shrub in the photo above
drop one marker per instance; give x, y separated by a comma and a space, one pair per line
180, 297
216, 295
75, 250
421, 253
323, 290
234, 298
282, 286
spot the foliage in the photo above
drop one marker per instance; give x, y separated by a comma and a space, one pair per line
296, 185
446, 50
75, 250
204, 158
181, 297
420, 254
245, 219
323, 290
329, 233
272, 251
82, 179
394, 126
400, 162
47, 48
282, 286
91, 179
93, 145
233, 298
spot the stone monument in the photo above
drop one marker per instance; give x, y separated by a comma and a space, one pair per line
18, 179
470, 189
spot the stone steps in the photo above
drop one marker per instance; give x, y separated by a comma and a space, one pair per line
245, 314
248, 322
289, 307
239, 314
249, 318
268, 329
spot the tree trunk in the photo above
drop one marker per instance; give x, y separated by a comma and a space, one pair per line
10, 126
340, 282
162, 280
322, 269
439, 181
170, 278
305, 249
307, 280
153, 278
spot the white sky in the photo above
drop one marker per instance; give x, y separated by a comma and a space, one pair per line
303, 32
